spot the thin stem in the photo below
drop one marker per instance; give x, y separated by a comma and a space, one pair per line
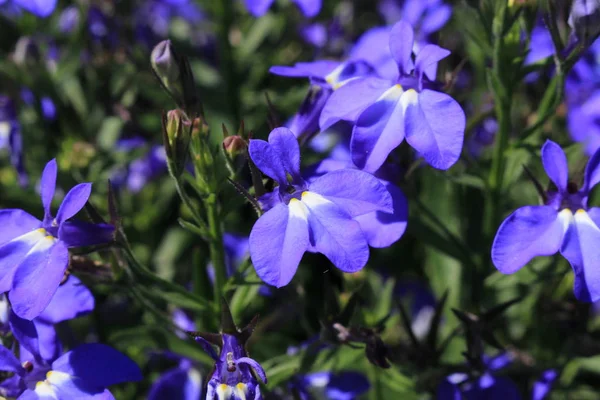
188, 203
215, 244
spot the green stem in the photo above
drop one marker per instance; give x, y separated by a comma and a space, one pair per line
188, 203
215, 244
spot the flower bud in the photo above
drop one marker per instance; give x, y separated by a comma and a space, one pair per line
234, 146
174, 73
176, 137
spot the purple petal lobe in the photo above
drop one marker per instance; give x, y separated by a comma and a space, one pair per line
436, 19
347, 102
401, 45
268, 160
592, 172
581, 248
277, 242
73, 202
8, 361
258, 8
434, 126
427, 60
98, 365
13, 253
310, 8
177, 383
41, 8
528, 232
335, 234
48, 185
283, 141
71, 300
25, 333
15, 223
555, 164
38, 277
79, 233
364, 195
382, 229
316, 69
378, 130
255, 366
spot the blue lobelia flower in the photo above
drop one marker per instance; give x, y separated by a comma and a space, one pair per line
564, 223
82, 373
232, 377
10, 137
345, 385
485, 386
258, 8
40, 8
34, 254
319, 216
386, 112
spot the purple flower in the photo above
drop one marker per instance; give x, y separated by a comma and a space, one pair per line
385, 112
345, 385
584, 19
82, 373
34, 254
427, 16
543, 385
258, 8
564, 223
232, 377
142, 170
483, 137
10, 137
319, 216
40, 8
485, 386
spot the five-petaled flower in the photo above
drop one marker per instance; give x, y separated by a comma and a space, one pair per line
319, 216
564, 223
34, 254
385, 112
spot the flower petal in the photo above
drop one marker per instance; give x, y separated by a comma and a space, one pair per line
40, 8
435, 126
592, 172
15, 223
435, 19
316, 69
283, 141
258, 8
278, 241
12, 255
79, 233
8, 361
347, 385
48, 186
50, 347
382, 229
581, 248
366, 194
378, 130
71, 300
401, 46
98, 365
335, 234
177, 383
73, 202
25, 333
347, 102
310, 8
528, 232
427, 60
38, 277
255, 366
555, 164
267, 160
542, 386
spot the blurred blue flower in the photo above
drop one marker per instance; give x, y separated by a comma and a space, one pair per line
385, 112
486, 386
232, 377
426, 16
317, 216
543, 385
346, 385
11, 139
540, 43
82, 373
142, 170
40, 8
258, 8
34, 254
582, 95
483, 137
584, 19
564, 223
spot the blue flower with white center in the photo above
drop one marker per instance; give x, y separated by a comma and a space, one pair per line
565, 223
386, 112
82, 373
258, 8
34, 254
319, 216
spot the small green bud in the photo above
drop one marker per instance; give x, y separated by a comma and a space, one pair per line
175, 75
176, 137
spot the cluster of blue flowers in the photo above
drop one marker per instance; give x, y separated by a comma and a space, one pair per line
334, 180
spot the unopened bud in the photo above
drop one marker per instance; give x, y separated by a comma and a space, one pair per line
234, 146
174, 73
176, 137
